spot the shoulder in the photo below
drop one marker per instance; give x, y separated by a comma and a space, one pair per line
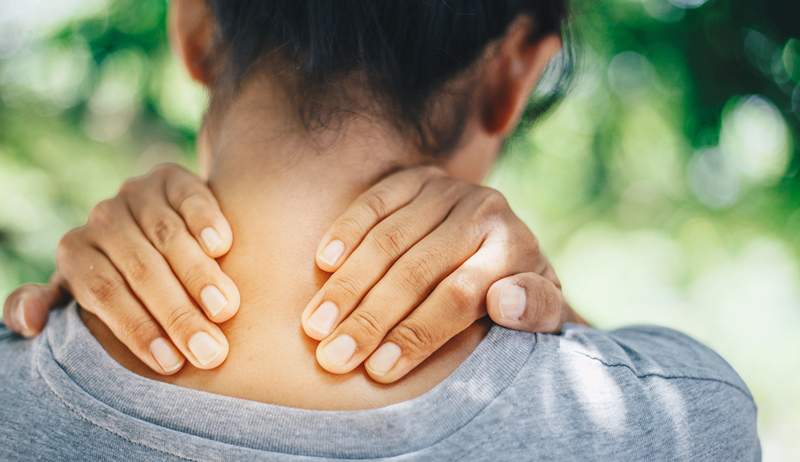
653, 351
16, 356
653, 388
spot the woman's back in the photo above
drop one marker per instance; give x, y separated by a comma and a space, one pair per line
634, 394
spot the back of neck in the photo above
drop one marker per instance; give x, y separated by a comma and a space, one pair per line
281, 188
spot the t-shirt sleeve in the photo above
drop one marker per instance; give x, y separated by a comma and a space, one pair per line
693, 400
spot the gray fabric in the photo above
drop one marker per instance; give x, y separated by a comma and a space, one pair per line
640, 393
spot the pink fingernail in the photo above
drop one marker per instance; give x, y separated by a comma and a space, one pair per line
512, 302
166, 356
213, 300
322, 320
384, 358
332, 252
204, 348
338, 351
211, 239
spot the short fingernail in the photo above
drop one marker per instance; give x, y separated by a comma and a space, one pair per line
339, 350
512, 302
384, 358
332, 252
321, 321
204, 348
213, 300
166, 356
22, 321
211, 239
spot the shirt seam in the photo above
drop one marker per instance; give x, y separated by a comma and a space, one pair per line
95, 424
457, 430
672, 376
511, 382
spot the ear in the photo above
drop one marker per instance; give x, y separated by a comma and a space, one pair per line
191, 30
511, 75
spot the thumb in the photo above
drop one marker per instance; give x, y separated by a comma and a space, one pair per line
527, 302
25, 310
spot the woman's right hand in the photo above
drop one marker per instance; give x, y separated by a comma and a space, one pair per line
149, 252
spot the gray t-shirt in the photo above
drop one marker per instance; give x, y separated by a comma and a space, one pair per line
640, 393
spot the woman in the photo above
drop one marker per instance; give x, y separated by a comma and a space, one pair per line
335, 90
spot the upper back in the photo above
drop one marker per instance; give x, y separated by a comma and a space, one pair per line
632, 394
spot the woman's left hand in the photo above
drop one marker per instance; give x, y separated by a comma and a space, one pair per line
417, 259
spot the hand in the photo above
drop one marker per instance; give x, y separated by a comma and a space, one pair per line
417, 259
529, 299
144, 264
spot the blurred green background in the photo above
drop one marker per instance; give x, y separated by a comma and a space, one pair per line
665, 186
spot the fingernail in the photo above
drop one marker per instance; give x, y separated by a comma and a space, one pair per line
19, 312
384, 358
332, 252
321, 321
339, 351
204, 348
165, 355
211, 239
213, 300
512, 302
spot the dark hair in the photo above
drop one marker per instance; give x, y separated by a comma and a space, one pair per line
405, 51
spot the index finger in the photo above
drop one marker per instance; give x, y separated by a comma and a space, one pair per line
369, 209
191, 198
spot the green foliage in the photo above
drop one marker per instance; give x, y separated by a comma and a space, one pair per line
665, 186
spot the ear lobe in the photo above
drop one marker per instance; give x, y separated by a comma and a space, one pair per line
499, 105
191, 26
512, 77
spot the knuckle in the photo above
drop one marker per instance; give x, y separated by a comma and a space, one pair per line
462, 293
432, 171
136, 268
349, 228
164, 231
102, 214
67, 244
390, 239
128, 186
192, 203
376, 203
491, 201
417, 274
180, 320
140, 329
368, 323
196, 276
450, 189
415, 339
345, 286
102, 289
165, 169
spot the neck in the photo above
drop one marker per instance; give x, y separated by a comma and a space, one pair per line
281, 188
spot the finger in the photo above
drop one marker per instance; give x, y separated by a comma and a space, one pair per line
25, 310
191, 198
152, 281
384, 244
101, 290
456, 303
372, 206
200, 274
404, 286
526, 301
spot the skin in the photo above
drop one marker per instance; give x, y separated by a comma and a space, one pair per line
424, 274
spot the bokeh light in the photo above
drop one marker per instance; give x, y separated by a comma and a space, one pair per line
664, 187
